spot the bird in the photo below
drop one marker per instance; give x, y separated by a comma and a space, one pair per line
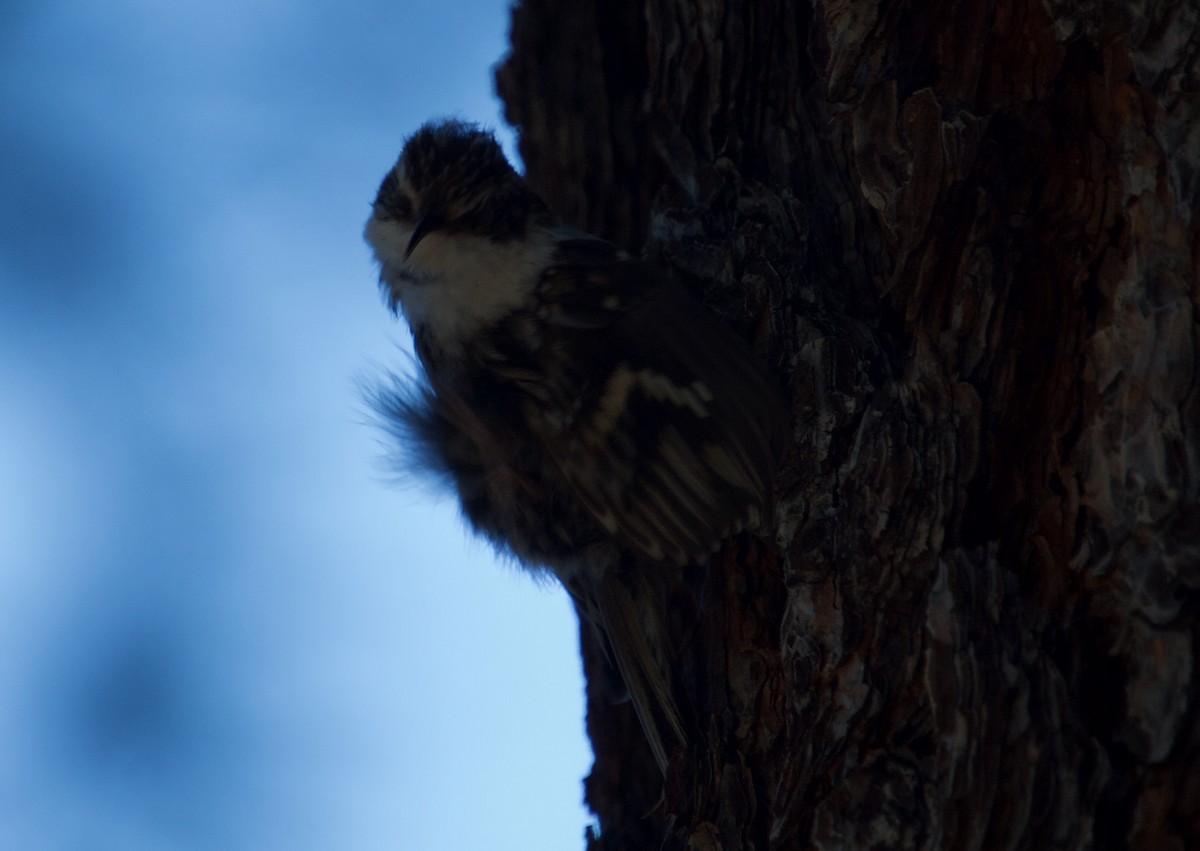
596, 422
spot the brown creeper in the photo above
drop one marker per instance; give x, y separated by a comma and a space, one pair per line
592, 417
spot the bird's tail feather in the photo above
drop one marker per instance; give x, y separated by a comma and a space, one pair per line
633, 632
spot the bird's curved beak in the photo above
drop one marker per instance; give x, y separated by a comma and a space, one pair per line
426, 224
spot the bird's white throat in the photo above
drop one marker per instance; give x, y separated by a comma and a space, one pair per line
454, 284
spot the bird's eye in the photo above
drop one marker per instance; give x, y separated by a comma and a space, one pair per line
393, 201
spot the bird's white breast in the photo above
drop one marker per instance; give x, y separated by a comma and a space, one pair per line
455, 284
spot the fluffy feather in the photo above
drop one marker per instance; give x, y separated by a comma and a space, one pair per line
592, 418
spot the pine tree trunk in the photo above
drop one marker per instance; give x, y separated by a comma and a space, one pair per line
963, 236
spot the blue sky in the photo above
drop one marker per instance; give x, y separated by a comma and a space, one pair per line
220, 625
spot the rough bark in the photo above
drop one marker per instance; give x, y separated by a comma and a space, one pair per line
964, 237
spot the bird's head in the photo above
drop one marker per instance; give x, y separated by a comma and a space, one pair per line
456, 231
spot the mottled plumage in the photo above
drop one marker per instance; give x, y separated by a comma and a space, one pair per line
588, 412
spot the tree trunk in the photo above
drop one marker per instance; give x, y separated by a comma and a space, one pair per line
963, 237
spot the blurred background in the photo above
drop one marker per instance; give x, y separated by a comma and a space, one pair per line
221, 625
